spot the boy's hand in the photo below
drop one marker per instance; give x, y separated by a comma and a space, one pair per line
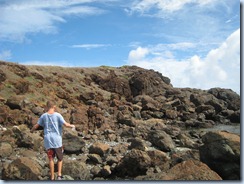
73, 127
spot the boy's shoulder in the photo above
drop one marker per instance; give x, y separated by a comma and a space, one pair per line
43, 115
57, 114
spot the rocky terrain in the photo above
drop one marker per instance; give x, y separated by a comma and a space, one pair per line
131, 124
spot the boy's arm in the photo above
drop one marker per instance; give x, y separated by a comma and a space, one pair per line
36, 126
69, 125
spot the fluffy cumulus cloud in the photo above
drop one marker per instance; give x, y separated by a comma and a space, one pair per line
20, 17
219, 68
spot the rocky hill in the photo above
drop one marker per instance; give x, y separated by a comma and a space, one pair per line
131, 124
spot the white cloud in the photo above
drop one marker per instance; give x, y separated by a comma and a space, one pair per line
144, 6
5, 55
48, 63
20, 17
90, 46
138, 54
220, 67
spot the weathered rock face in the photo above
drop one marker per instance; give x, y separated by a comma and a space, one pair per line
2, 76
227, 95
23, 168
159, 159
76, 169
116, 84
131, 123
161, 140
26, 139
187, 170
99, 148
72, 143
221, 151
148, 83
134, 163
6, 149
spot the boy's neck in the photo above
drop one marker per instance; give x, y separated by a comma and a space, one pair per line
51, 111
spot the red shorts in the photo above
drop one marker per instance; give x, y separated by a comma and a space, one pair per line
58, 152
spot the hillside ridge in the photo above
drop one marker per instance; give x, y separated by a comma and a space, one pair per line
124, 116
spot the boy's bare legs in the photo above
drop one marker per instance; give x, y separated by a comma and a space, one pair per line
60, 165
51, 165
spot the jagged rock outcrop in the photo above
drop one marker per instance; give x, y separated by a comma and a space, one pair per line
148, 83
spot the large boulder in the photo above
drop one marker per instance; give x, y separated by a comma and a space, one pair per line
134, 163
76, 169
159, 159
15, 102
23, 168
119, 149
99, 148
26, 139
187, 170
6, 149
221, 152
232, 98
94, 159
72, 143
146, 102
137, 143
161, 140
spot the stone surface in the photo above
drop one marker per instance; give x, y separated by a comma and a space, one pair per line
99, 148
161, 140
6, 149
77, 170
191, 170
221, 151
134, 163
23, 168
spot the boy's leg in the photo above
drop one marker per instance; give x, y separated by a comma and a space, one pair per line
51, 165
51, 154
59, 154
60, 165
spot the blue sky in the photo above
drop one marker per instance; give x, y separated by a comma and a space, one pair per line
196, 43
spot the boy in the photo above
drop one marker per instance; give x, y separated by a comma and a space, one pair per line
52, 123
